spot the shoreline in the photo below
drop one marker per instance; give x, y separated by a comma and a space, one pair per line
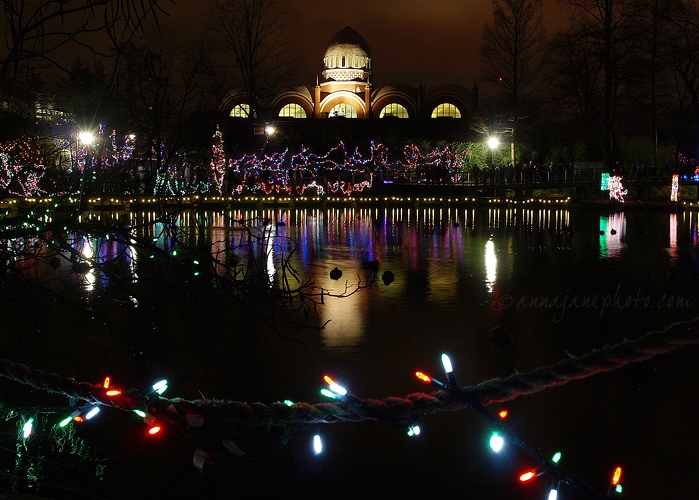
359, 200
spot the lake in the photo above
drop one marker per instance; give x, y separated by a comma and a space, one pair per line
500, 290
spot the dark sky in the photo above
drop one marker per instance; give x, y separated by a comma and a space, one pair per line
411, 40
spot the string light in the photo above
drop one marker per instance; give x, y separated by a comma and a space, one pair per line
337, 389
28, 428
413, 430
317, 442
449, 370
426, 378
496, 442
616, 476
93, 411
527, 476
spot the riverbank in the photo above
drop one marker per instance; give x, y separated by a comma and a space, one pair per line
356, 200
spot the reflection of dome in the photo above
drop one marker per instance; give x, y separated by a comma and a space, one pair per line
348, 57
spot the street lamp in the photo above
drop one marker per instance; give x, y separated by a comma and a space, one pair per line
85, 138
269, 131
493, 143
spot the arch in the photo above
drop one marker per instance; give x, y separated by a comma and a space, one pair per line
292, 110
342, 109
445, 110
242, 111
402, 95
394, 110
346, 97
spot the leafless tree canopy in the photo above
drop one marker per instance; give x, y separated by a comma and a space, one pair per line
253, 32
33, 30
512, 51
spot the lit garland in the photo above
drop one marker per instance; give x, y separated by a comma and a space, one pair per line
616, 189
287, 417
218, 161
21, 161
675, 189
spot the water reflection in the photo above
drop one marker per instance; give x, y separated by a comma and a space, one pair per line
87, 252
491, 262
435, 252
612, 235
672, 251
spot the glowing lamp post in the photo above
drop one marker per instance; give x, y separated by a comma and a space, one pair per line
269, 131
84, 138
493, 143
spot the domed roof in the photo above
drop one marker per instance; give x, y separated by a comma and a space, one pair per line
348, 57
348, 42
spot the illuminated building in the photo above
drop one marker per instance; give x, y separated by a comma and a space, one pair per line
344, 91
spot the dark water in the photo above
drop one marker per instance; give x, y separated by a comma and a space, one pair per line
557, 282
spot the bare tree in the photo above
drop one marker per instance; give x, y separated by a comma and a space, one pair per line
681, 54
512, 50
253, 30
35, 29
164, 84
604, 37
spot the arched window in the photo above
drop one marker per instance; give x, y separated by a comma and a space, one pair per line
292, 110
342, 109
241, 111
343, 62
447, 110
394, 110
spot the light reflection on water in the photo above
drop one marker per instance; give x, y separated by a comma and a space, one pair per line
454, 272
446, 259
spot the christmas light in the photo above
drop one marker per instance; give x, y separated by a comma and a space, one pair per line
68, 419
337, 389
616, 476
496, 442
317, 443
27, 428
113, 392
618, 488
154, 430
106, 383
616, 189
556, 457
328, 393
675, 189
160, 387
94, 411
413, 430
527, 476
553, 494
449, 370
429, 380
140, 413
503, 413
288, 402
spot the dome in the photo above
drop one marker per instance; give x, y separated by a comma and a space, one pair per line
348, 57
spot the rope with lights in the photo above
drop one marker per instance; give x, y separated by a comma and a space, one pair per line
399, 410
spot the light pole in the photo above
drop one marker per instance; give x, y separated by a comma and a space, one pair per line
493, 143
86, 139
269, 130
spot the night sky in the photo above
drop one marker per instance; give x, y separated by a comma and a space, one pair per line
411, 40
